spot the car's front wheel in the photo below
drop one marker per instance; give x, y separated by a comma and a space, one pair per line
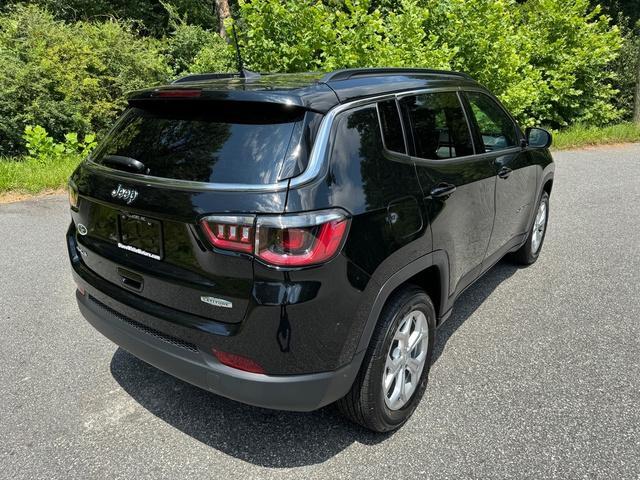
394, 372
529, 252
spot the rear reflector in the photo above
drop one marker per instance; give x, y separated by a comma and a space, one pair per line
237, 361
296, 240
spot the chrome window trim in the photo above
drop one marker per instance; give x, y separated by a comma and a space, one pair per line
404, 136
468, 120
150, 180
317, 158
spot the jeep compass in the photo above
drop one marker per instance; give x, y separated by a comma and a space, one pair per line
291, 241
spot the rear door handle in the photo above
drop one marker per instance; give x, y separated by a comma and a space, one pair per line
442, 190
504, 172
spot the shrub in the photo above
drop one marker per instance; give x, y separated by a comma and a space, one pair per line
626, 70
295, 36
193, 49
572, 47
548, 60
43, 149
68, 77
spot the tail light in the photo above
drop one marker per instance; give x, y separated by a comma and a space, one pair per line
73, 196
230, 232
284, 240
298, 240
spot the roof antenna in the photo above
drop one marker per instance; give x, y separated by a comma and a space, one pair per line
241, 70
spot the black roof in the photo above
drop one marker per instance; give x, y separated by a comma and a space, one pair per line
313, 91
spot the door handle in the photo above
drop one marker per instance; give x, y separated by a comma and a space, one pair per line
442, 190
504, 172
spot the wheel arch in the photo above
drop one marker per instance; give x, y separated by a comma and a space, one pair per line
430, 272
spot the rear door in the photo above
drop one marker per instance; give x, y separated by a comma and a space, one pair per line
148, 185
458, 186
498, 138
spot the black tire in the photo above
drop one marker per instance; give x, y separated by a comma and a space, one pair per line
525, 254
365, 404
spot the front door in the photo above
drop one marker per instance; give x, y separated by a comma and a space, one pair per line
458, 186
499, 137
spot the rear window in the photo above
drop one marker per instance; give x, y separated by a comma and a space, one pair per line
206, 143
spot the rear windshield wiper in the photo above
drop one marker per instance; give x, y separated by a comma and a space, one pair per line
125, 163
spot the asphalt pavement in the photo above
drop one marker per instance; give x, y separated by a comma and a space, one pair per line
536, 374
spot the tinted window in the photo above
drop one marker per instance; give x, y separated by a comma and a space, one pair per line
219, 144
359, 170
438, 124
496, 128
391, 126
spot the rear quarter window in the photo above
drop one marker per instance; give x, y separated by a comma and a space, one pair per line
221, 143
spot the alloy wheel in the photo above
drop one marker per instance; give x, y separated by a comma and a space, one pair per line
405, 360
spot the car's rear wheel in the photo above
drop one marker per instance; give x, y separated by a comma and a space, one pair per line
529, 252
394, 372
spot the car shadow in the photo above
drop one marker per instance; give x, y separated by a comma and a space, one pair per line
469, 301
264, 437
268, 438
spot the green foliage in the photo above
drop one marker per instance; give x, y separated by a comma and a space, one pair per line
193, 49
572, 48
47, 165
630, 9
151, 16
68, 77
626, 70
295, 36
548, 60
44, 150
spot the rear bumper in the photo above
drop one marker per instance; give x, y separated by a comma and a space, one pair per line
189, 363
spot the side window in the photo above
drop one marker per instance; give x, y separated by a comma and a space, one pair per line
496, 128
358, 165
438, 125
391, 127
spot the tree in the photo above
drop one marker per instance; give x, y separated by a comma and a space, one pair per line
223, 12
150, 16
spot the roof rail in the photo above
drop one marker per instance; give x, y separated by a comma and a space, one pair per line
348, 73
200, 77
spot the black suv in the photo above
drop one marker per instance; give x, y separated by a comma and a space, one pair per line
289, 241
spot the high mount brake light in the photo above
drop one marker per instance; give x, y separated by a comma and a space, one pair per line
284, 240
178, 93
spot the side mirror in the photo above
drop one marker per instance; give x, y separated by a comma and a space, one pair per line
538, 137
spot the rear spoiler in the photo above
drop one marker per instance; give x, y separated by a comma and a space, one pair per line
194, 94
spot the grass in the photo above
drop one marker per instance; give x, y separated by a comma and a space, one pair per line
583, 136
31, 176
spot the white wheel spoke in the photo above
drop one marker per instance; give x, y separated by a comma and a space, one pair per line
414, 365
415, 338
538, 227
396, 394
